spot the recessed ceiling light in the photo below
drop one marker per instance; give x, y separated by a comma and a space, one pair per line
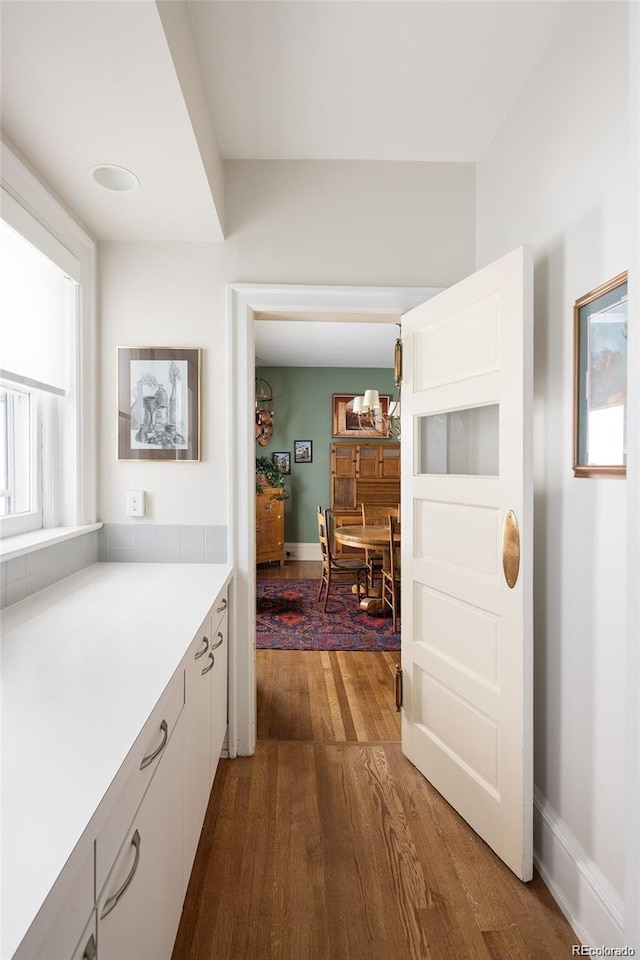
111, 177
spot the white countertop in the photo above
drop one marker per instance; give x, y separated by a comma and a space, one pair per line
83, 664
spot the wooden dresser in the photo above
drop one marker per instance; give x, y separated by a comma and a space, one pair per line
366, 473
269, 526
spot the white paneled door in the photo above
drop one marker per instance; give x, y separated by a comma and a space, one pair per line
467, 507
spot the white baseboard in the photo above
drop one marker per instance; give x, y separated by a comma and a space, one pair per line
588, 900
302, 551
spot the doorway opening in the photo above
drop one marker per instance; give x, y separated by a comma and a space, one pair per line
248, 304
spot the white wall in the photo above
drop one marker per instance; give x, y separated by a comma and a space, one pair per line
164, 294
556, 176
347, 222
288, 222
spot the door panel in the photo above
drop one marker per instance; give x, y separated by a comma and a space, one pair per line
466, 636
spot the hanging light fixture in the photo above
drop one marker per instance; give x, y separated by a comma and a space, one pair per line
369, 410
265, 414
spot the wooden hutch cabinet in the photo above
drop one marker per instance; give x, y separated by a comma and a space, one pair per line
269, 526
366, 473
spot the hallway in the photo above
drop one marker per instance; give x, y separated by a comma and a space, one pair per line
328, 844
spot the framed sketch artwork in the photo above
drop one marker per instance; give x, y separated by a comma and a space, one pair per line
158, 403
600, 381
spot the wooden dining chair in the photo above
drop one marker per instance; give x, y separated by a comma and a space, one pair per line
376, 515
353, 569
391, 574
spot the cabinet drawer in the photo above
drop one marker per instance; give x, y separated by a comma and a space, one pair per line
135, 776
219, 694
87, 948
62, 919
140, 905
219, 608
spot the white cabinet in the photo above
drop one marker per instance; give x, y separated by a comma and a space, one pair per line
205, 718
87, 948
120, 893
219, 651
136, 774
197, 749
59, 926
139, 910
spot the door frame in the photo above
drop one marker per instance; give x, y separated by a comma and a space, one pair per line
246, 302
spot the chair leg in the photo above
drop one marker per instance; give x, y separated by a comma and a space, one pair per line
326, 596
321, 586
394, 609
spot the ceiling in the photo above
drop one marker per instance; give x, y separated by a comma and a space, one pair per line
91, 82
426, 81
169, 90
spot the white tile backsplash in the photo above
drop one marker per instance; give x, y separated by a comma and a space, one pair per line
192, 538
16, 569
163, 543
115, 543
23, 576
145, 536
168, 537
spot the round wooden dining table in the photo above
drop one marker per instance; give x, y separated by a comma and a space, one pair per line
370, 536
373, 537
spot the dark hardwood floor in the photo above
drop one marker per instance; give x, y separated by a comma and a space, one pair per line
329, 845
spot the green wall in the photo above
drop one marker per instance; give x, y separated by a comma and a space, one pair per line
303, 411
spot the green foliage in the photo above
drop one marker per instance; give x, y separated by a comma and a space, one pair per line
267, 471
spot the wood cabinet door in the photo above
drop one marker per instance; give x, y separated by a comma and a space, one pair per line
389, 462
367, 461
343, 460
269, 526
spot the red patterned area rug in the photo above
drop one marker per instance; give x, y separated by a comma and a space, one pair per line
289, 617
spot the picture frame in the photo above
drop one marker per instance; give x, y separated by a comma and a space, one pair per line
302, 451
282, 461
600, 381
345, 421
159, 403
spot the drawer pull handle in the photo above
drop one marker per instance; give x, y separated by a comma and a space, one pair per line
202, 652
111, 902
206, 669
90, 952
219, 643
223, 606
165, 736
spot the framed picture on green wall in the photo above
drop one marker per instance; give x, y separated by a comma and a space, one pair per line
348, 423
282, 461
302, 451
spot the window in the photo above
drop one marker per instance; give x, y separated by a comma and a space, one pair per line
38, 301
19, 454
47, 264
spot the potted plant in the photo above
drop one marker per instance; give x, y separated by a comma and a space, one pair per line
268, 475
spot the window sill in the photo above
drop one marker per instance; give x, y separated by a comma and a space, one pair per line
24, 543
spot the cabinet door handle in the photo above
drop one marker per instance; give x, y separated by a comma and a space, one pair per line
206, 669
90, 952
219, 643
223, 606
165, 736
111, 902
202, 652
